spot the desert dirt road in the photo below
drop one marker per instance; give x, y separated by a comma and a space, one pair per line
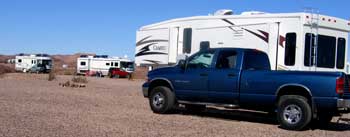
31, 106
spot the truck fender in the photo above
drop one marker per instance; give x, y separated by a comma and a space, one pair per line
312, 103
163, 80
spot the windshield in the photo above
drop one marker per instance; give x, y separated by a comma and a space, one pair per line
127, 64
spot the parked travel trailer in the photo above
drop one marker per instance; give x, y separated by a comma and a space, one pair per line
33, 63
293, 41
101, 64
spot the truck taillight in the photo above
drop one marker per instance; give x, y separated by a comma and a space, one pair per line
340, 85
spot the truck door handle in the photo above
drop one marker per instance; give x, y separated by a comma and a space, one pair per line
203, 74
231, 75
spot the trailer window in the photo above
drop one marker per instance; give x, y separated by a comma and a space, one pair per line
309, 44
19, 60
204, 45
341, 53
289, 57
107, 64
326, 51
82, 63
187, 40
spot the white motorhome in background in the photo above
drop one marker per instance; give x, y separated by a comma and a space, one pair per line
102, 63
33, 63
293, 41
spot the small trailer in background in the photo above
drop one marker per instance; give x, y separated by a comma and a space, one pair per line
38, 63
101, 64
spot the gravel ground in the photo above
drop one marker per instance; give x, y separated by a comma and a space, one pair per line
31, 106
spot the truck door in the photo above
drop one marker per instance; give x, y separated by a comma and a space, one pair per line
192, 83
224, 78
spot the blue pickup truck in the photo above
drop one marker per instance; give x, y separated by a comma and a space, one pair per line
242, 78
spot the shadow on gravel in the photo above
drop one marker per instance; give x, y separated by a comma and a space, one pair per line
258, 117
236, 115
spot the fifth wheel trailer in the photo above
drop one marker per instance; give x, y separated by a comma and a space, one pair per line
293, 41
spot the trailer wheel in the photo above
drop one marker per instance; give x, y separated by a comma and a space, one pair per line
293, 112
161, 100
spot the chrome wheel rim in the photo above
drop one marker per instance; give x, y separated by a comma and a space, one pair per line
158, 100
292, 114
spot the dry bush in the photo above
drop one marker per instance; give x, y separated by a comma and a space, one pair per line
52, 76
6, 69
79, 79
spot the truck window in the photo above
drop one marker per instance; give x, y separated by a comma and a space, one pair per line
289, 54
341, 53
256, 60
227, 60
187, 40
201, 60
204, 45
326, 51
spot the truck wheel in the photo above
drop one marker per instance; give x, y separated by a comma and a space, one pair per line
293, 112
195, 108
162, 100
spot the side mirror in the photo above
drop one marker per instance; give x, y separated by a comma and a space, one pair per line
182, 64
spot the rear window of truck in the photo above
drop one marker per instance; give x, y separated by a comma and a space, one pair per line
256, 60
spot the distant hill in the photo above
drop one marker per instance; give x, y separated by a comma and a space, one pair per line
69, 60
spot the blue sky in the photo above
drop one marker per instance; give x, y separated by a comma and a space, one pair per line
109, 26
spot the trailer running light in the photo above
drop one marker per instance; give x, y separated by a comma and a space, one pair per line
307, 17
339, 88
323, 19
329, 20
335, 21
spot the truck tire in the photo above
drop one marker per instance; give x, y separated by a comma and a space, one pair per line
161, 100
195, 108
293, 112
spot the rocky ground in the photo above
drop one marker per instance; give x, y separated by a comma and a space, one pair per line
32, 106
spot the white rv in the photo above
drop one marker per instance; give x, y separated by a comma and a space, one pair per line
293, 41
102, 63
33, 63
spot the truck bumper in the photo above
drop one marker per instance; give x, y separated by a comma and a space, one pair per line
343, 103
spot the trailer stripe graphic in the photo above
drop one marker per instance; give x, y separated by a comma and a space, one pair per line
152, 61
145, 51
282, 39
145, 41
264, 37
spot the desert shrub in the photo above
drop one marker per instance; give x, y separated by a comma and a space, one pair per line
68, 73
52, 76
79, 79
